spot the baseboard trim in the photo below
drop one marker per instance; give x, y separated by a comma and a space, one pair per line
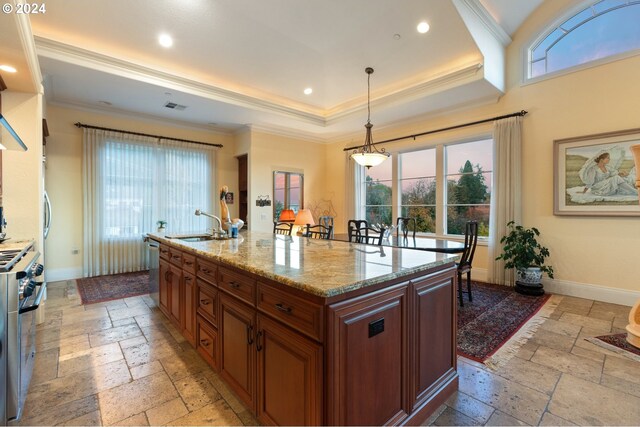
594, 292
577, 289
59, 274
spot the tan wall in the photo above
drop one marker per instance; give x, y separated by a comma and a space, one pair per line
64, 176
22, 170
598, 251
269, 153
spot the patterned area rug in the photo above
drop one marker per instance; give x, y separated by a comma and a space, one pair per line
618, 344
106, 288
495, 315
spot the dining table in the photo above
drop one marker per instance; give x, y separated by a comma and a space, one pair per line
430, 244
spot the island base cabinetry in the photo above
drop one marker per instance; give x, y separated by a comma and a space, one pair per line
386, 356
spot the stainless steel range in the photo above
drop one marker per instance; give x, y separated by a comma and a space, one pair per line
20, 296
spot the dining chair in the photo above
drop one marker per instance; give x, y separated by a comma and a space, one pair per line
368, 235
327, 221
319, 231
282, 228
466, 259
403, 224
357, 223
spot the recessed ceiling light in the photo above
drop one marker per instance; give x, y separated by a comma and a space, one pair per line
397, 36
308, 91
165, 40
423, 27
8, 68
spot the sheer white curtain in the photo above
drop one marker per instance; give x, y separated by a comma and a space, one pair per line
506, 195
354, 177
131, 182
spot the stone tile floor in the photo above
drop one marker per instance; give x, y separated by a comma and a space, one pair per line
122, 363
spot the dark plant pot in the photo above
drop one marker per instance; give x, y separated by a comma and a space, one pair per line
534, 289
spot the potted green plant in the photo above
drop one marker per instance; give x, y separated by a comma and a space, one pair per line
522, 252
161, 226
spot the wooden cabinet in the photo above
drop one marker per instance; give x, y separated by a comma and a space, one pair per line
368, 358
189, 316
238, 353
375, 357
434, 334
289, 376
163, 285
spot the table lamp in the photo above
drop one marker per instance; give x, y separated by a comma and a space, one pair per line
303, 218
287, 215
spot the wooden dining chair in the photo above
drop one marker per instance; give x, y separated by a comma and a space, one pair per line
282, 228
466, 259
403, 226
357, 223
368, 235
319, 231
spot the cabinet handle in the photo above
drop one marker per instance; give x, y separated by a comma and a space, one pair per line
205, 343
188, 262
249, 334
234, 285
206, 271
284, 309
258, 336
187, 279
205, 301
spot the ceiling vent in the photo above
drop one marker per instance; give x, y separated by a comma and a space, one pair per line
174, 106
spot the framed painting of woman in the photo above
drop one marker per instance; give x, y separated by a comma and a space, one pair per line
596, 175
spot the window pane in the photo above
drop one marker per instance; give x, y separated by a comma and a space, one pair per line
418, 188
538, 68
457, 216
468, 193
540, 51
417, 164
425, 217
288, 192
378, 194
378, 215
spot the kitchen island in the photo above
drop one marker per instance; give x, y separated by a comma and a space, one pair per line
317, 332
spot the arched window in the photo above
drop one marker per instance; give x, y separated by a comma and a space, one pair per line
603, 29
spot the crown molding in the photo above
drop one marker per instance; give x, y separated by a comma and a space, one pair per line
96, 61
487, 21
286, 132
127, 114
30, 52
426, 87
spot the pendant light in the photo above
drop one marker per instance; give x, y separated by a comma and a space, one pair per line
368, 155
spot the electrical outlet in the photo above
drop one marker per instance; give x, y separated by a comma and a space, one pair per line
75, 251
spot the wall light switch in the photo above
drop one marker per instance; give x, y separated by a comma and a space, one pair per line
263, 217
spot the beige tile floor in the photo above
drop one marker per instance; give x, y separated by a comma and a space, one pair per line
122, 363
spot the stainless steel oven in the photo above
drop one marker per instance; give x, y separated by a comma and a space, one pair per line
21, 296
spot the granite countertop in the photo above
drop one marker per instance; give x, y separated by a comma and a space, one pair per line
322, 267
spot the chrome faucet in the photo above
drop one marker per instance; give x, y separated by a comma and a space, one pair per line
219, 231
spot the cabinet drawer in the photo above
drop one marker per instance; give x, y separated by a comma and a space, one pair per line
189, 263
165, 252
207, 302
291, 310
240, 286
206, 271
207, 342
175, 257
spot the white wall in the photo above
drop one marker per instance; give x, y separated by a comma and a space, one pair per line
587, 253
22, 170
64, 177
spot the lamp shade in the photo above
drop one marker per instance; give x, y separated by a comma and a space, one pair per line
369, 159
287, 215
304, 217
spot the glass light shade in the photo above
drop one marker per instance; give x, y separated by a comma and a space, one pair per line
304, 217
287, 215
369, 159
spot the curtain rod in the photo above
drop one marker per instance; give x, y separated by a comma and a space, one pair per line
521, 113
82, 125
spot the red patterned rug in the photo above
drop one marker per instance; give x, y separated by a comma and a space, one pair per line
495, 315
106, 288
618, 344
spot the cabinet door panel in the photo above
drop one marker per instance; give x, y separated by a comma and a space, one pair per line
289, 376
189, 318
238, 358
368, 358
175, 283
207, 342
434, 354
164, 286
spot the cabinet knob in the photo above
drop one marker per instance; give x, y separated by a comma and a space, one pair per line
188, 262
206, 271
205, 301
205, 343
234, 285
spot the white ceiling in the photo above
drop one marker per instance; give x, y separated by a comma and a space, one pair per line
243, 62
